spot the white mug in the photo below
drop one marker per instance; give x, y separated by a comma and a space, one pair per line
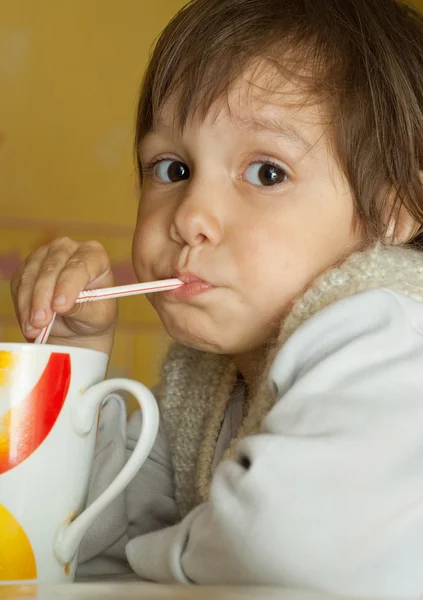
49, 404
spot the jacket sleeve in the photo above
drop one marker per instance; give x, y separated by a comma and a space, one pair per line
147, 503
329, 496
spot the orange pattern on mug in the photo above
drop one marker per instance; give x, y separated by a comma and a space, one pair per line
17, 561
27, 424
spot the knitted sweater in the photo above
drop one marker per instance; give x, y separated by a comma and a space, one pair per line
195, 386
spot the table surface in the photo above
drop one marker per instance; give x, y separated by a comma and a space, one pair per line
151, 591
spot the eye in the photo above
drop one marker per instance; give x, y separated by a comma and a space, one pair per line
265, 173
170, 171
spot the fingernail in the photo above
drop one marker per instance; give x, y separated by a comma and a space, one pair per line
28, 327
59, 300
39, 315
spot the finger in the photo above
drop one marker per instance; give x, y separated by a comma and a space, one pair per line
59, 252
22, 286
88, 268
92, 317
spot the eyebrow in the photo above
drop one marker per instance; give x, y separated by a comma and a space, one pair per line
259, 122
276, 125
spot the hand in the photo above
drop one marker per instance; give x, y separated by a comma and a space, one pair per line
50, 280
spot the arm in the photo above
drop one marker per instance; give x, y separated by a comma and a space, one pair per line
329, 496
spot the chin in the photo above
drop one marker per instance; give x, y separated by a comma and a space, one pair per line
194, 337
213, 343
196, 342
205, 332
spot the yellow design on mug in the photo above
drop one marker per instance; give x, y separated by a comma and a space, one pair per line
17, 561
8, 361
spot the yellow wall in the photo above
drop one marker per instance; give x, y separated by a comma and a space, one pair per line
69, 75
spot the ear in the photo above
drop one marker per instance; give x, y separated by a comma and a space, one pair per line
403, 228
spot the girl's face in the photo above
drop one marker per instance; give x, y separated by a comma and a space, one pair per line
248, 207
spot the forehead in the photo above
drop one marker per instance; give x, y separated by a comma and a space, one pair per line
261, 99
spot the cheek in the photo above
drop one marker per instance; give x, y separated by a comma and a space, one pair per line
284, 250
144, 247
264, 245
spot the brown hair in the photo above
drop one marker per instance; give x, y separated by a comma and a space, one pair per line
364, 59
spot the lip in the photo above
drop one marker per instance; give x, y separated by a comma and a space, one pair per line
193, 286
188, 277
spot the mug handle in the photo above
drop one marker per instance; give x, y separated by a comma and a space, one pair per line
85, 416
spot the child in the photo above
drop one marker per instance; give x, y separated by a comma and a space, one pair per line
280, 148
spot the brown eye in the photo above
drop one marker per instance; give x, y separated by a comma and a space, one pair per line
171, 171
265, 174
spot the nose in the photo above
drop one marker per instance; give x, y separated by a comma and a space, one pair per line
196, 218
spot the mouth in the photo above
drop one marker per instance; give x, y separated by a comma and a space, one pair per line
193, 286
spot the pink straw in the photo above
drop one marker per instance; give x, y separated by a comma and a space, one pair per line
115, 292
